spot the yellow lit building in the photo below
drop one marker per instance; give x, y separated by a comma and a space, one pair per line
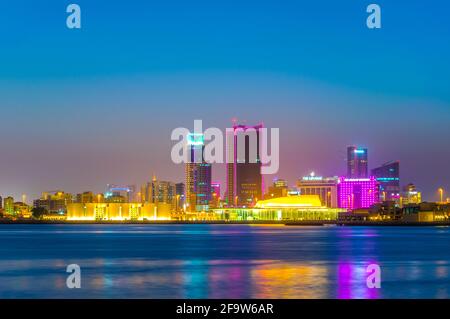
54, 203
117, 211
54, 217
22, 210
9, 205
278, 189
293, 208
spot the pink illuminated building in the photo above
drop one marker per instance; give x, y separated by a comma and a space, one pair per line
354, 193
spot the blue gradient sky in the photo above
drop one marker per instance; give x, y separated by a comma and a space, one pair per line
83, 108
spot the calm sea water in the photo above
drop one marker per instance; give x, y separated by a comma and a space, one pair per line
223, 261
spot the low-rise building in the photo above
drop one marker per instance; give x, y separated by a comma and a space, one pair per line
22, 210
385, 211
324, 187
279, 188
118, 211
426, 212
289, 208
54, 203
410, 195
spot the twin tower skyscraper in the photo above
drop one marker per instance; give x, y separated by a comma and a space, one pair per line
244, 179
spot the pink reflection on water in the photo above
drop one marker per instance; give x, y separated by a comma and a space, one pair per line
344, 280
352, 281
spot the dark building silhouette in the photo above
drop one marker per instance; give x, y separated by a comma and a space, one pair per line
357, 162
388, 177
244, 179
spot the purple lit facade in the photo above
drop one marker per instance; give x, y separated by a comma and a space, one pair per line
354, 193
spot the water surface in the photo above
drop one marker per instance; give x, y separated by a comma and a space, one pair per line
223, 261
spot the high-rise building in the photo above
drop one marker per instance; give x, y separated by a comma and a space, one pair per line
357, 162
190, 194
1, 202
157, 191
202, 186
244, 179
198, 175
9, 205
279, 188
195, 147
181, 195
354, 193
388, 177
324, 187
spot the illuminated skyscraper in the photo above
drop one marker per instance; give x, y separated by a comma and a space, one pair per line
195, 146
354, 193
198, 175
357, 162
388, 177
244, 179
190, 194
202, 186
181, 195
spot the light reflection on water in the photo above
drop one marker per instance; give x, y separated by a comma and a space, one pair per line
223, 261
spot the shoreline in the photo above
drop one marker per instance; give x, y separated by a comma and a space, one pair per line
222, 222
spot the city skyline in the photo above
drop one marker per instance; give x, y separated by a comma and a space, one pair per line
384, 177
85, 108
224, 158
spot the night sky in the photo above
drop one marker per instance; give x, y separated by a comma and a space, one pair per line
83, 108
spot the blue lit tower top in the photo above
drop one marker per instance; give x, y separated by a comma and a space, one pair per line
357, 162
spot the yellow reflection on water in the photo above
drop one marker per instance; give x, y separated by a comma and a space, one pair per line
289, 280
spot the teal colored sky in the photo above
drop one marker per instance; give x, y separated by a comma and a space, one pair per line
83, 108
